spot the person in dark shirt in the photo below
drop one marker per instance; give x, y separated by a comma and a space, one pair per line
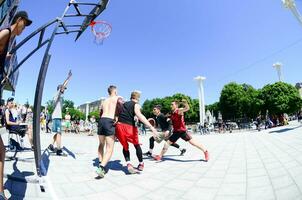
164, 124
20, 21
126, 131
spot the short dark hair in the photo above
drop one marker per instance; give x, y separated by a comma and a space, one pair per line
23, 15
157, 107
176, 102
111, 88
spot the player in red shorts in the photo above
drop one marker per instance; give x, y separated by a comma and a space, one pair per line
180, 130
126, 131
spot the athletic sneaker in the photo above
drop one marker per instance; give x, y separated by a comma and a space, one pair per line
182, 152
140, 167
51, 147
206, 155
60, 153
100, 172
157, 158
149, 154
131, 169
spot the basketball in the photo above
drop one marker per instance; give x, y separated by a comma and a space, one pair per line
152, 121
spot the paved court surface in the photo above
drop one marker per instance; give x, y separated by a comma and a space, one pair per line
246, 165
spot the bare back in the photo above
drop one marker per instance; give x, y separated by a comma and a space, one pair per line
109, 107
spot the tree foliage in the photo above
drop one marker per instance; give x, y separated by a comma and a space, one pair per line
191, 116
280, 98
67, 105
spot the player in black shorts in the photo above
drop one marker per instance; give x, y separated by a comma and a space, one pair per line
164, 124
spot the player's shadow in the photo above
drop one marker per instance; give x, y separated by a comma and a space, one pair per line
168, 158
69, 152
285, 129
16, 182
112, 165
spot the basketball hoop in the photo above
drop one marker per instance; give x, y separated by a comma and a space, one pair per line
101, 30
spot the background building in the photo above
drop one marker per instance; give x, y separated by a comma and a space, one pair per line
92, 106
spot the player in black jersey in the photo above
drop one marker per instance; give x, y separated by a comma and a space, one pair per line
164, 124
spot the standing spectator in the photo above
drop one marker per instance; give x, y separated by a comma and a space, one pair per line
67, 122
42, 120
18, 24
48, 120
93, 126
57, 117
23, 113
29, 122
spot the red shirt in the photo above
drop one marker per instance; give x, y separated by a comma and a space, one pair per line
178, 122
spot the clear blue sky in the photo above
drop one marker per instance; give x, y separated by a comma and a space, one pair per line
159, 46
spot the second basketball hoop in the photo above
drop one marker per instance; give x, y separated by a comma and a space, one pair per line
101, 30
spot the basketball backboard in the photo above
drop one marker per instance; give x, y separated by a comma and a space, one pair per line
94, 13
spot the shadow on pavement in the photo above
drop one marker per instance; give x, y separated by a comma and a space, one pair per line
177, 160
285, 130
112, 165
45, 162
16, 182
69, 152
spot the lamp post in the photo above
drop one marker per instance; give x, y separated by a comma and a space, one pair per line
278, 66
200, 80
87, 110
290, 4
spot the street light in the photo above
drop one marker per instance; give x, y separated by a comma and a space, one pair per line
200, 80
278, 66
290, 4
87, 110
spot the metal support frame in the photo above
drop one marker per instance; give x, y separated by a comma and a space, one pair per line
58, 23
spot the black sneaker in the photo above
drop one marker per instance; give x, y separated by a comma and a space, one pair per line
60, 153
182, 152
148, 154
51, 147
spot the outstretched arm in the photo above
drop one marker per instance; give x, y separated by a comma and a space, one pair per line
142, 118
67, 79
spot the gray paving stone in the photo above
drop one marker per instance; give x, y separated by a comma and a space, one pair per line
234, 189
282, 181
250, 165
200, 193
230, 197
263, 193
290, 192
260, 181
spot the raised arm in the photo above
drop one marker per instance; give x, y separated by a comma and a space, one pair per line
185, 108
67, 79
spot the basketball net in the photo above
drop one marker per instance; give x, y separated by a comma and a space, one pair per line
101, 30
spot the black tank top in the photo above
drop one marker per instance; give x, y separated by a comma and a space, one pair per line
3, 55
127, 114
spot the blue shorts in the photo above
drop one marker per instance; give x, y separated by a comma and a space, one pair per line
57, 125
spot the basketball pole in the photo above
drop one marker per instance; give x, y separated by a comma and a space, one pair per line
58, 22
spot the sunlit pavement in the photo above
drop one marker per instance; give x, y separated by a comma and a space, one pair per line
245, 165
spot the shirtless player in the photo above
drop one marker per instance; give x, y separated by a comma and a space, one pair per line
106, 129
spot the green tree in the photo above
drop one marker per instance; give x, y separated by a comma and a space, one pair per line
191, 116
67, 104
50, 105
76, 114
231, 101
279, 98
96, 114
251, 103
213, 108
